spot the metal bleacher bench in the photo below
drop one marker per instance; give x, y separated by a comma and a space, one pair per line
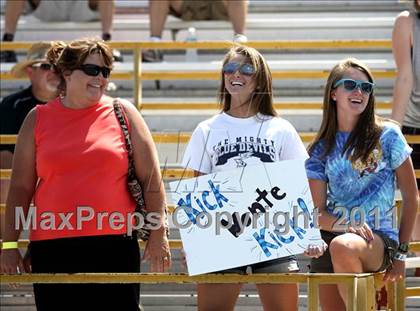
140, 22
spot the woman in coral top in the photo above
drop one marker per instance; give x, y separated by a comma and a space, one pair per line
71, 157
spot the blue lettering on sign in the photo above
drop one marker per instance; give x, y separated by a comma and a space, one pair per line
303, 206
298, 230
282, 239
191, 212
206, 203
276, 239
216, 192
263, 243
188, 209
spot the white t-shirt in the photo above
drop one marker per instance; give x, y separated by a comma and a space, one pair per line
224, 142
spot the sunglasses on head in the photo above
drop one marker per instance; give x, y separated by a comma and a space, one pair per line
350, 84
42, 66
94, 70
245, 69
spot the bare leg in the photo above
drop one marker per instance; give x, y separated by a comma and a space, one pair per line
416, 237
330, 298
13, 11
350, 253
158, 11
278, 297
106, 12
217, 297
237, 11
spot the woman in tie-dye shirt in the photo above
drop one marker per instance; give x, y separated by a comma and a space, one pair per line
354, 162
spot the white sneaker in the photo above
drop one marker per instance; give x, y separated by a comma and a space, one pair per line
239, 38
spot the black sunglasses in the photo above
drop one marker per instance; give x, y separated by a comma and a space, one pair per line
350, 84
42, 66
94, 70
245, 69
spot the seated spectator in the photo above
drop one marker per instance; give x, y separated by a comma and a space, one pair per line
355, 163
57, 11
194, 10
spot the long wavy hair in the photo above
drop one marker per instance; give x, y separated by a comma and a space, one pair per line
262, 98
365, 135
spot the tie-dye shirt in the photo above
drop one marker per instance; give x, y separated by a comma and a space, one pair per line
369, 187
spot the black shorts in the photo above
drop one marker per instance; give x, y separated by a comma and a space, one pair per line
108, 253
324, 264
415, 155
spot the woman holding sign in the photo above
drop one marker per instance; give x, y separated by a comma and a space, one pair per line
246, 132
353, 164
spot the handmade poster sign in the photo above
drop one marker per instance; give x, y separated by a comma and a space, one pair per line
244, 216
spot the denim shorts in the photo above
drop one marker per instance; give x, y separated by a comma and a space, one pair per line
324, 264
280, 265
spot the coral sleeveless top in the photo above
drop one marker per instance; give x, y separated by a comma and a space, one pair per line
81, 163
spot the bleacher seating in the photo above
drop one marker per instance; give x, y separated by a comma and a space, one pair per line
178, 105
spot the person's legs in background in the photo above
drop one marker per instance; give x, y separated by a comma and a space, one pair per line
13, 10
237, 11
106, 11
158, 12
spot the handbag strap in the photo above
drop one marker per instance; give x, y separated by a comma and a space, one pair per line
119, 112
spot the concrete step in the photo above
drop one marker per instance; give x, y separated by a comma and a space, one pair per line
270, 6
176, 302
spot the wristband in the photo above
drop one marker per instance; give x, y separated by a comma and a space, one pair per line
9, 245
403, 247
400, 256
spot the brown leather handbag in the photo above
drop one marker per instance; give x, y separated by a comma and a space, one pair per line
133, 184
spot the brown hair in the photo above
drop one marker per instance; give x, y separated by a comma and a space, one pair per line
262, 99
416, 6
68, 57
54, 51
365, 136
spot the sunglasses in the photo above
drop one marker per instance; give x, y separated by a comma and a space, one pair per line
42, 66
94, 70
350, 84
245, 69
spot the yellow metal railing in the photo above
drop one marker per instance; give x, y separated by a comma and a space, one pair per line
184, 137
210, 105
360, 286
137, 75
177, 244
